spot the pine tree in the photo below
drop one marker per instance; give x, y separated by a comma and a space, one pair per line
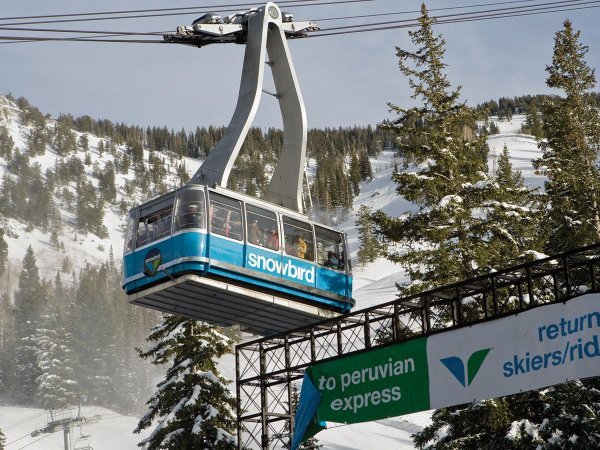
561, 417
84, 143
56, 387
93, 331
366, 171
533, 121
450, 185
36, 141
569, 153
7, 345
370, 247
487, 424
7, 144
355, 175
182, 174
569, 416
29, 301
513, 218
90, 211
192, 406
132, 376
100, 148
3, 251
64, 140
54, 239
106, 183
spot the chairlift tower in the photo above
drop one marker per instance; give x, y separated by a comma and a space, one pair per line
63, 420
264, 31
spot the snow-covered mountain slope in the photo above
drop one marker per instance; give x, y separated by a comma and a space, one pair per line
373, 284
522, 148
81, 248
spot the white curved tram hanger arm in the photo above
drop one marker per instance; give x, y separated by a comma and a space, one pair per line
266, 34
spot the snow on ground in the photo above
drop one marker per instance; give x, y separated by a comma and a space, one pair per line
381, 434
376, 283
521, 147
112, 431
81, 248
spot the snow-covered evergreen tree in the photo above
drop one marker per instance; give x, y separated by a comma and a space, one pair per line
570, 151
366, 171
29, 301
6, 343
192, 407
569, 418
370, 247
449, 184
560, 417
514, 217
56, 387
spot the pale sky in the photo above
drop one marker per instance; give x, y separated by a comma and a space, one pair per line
345, 79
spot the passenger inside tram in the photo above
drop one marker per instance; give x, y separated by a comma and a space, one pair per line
154, 227
273, 240
330, 250
299, 246
254, 234
190, 218
321, 254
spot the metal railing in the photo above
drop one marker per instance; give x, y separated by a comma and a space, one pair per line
267, 368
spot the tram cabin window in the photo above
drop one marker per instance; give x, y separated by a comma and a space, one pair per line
153, 227
330, 248
298, 238
262, 227
131, 229
190, 212
225, 216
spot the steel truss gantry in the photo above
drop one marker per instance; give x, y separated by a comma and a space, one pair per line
267, 368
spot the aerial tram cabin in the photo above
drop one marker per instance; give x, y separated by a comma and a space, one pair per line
218, 256
212, 254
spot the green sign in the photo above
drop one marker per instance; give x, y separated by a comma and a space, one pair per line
386, 382
536, 348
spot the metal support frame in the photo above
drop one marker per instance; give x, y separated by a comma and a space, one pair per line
264, 31
63, 420
268, 367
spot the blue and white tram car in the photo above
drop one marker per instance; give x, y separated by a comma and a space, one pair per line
215, 255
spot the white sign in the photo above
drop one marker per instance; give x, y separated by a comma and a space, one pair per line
287, 270
540, 347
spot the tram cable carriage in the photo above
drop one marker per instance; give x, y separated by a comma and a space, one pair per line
212, 254
218, 256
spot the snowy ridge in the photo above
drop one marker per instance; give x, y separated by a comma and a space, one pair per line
81, 248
